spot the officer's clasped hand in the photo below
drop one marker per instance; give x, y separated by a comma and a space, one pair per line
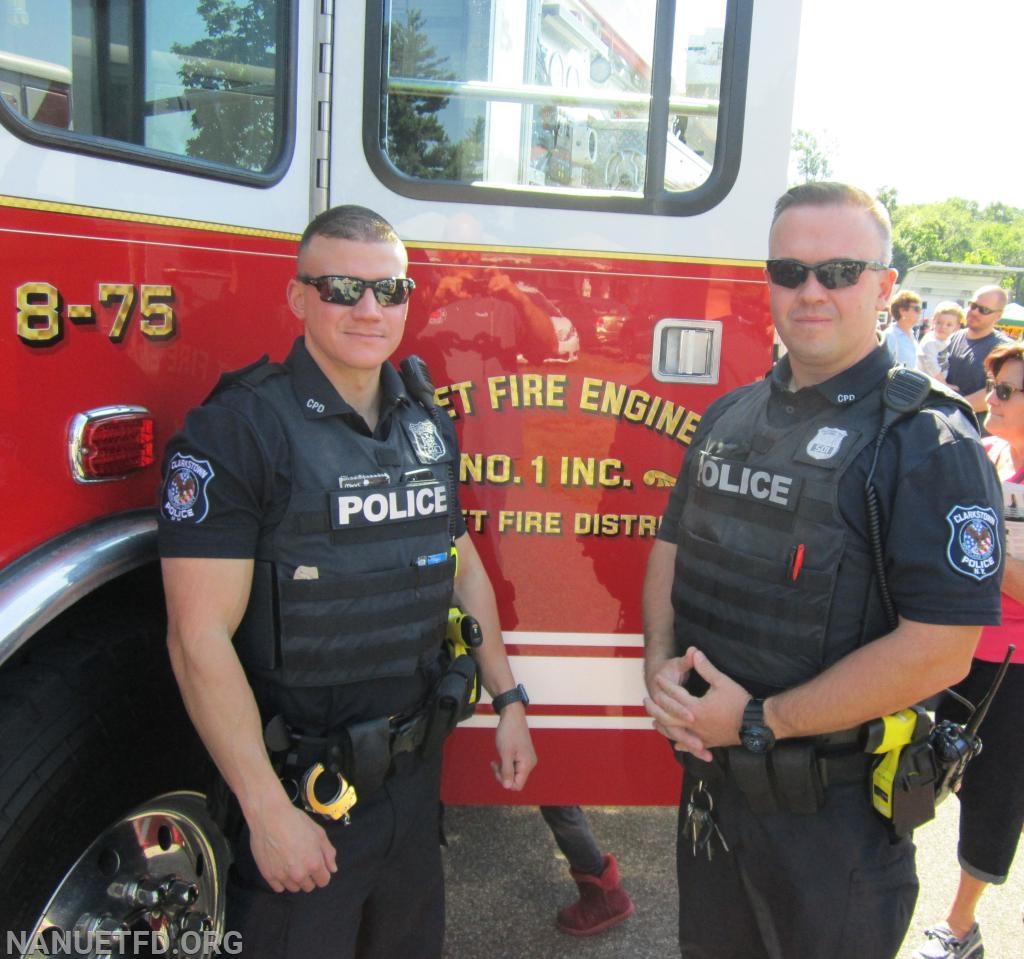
695, 724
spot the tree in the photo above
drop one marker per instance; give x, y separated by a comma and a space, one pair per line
957, 231
811, 158
415, 139
228, 77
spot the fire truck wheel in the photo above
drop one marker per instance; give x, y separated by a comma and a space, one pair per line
92, 731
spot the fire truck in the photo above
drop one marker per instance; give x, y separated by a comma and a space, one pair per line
584, 188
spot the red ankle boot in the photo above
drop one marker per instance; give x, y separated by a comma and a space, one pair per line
603, 902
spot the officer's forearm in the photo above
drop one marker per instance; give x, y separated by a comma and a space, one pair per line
898, 670
659, 641
223, 710
473, 592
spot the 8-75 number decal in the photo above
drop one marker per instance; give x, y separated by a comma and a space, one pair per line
42, 313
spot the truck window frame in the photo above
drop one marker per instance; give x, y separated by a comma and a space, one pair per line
656, 200
140, 155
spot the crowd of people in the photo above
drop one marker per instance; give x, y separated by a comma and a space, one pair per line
309, 638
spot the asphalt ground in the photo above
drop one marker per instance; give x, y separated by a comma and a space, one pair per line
506, 880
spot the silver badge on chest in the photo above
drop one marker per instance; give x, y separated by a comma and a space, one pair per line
826, 443
427, 442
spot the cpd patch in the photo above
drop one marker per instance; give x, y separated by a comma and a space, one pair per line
184, 495
974, 547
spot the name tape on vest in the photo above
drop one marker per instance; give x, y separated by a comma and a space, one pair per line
747, 482
394, 504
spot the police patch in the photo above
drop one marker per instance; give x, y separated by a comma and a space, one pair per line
426, 442
826, 443
184, 494
974, 548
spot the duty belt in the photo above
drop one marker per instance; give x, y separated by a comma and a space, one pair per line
355, 762
791, 777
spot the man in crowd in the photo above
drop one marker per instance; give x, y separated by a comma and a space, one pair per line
770, 642
970, 346
308, 519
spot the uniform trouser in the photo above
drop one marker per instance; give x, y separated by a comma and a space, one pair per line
830, 885
569, 826
385, 901
992, 792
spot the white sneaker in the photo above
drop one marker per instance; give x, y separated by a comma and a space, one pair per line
942, 944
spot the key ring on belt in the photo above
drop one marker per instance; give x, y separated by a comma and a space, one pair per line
338, 806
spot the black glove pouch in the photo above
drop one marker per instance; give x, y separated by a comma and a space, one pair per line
784, 779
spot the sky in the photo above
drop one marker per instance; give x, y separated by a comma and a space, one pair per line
926, 96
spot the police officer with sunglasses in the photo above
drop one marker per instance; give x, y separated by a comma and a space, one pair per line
828, 556
969, 347
308, 517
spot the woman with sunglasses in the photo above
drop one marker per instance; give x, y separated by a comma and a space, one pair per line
905, 310
992, 792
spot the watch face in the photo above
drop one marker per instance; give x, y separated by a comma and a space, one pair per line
758, 739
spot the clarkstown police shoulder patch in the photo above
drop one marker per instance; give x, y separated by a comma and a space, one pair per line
974, 548
184, 497
426, 441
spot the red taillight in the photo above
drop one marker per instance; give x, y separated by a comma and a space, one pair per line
111, 442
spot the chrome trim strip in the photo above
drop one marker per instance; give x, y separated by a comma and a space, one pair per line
53, 577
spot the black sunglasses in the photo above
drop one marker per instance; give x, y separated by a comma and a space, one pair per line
831, 274
348, 290
983, 310
1003, 390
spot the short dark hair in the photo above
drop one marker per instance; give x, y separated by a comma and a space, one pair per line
832, 193
350, 222
1001, 355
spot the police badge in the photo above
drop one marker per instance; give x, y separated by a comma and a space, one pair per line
826, 443
974, 547
426, 442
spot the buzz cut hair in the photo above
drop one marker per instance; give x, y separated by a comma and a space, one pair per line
1000, 292
833, 193
350, 222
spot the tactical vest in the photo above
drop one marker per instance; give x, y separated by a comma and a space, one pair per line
761, 542
355, 581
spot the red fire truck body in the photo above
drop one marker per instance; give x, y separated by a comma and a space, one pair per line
140, 263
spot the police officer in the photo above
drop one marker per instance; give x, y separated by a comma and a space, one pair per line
307, 518
770, 640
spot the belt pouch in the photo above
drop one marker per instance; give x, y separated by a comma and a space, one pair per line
750, 773
913, 792
370, 749
797, 777
450, 702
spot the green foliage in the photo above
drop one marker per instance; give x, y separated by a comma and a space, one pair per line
957, 231
811, 157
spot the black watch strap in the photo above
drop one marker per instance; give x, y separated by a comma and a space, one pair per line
515, 695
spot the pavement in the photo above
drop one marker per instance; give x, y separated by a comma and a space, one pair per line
506, 880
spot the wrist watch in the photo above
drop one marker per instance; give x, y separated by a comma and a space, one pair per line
755, 734
514, 695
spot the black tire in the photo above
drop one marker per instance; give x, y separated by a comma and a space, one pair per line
91, 726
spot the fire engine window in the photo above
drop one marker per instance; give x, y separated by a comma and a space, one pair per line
552, 97
696, 88
201, 80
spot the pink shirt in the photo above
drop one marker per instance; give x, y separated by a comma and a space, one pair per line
995, 639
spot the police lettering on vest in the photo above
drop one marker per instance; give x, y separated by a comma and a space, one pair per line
394, 504
737, 479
